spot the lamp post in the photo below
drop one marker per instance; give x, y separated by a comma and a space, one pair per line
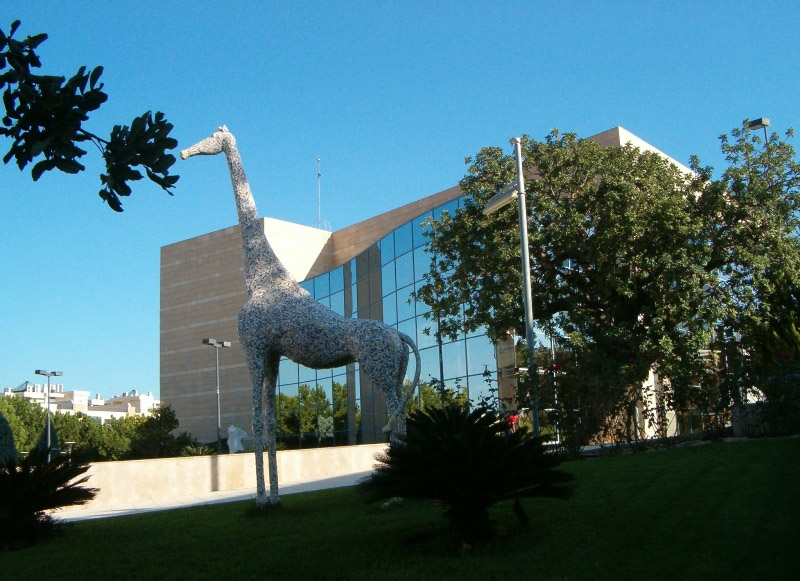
216, 345
48, 374
760, 123
512, 191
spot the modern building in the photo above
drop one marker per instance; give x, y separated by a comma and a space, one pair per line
72, 402
367, 270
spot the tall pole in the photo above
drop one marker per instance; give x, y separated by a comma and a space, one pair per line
47, 404
219, 413
48, 374
216, 345
526, 280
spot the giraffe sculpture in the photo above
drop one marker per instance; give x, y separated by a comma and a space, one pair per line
281, 319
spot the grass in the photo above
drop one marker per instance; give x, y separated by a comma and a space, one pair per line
720, 510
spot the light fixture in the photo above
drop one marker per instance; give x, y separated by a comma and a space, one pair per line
217, 345
48, 374
510, 192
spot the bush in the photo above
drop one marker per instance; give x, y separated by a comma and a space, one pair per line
32, 486
465, 461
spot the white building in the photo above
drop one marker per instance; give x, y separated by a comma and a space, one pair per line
127, 404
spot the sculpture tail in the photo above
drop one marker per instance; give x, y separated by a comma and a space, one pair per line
404, 401
414, 384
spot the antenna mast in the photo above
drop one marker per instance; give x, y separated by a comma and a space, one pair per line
321, 224
319, 194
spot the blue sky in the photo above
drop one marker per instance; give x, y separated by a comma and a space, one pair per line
392, 96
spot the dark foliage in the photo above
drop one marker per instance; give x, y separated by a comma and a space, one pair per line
466, 461
8, 451
44, 117
32, 486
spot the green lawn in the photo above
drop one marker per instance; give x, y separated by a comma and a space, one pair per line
720, 510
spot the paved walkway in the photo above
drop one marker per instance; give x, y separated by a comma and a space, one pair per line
75, 513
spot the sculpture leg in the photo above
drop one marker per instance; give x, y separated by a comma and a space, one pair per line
382, 374
390, 374
270, 381
257, 376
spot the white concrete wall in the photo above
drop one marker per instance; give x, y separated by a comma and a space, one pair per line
144, 481
297, 246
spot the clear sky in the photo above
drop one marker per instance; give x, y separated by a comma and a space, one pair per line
392, 96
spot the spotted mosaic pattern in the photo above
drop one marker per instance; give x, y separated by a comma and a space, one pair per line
280, 318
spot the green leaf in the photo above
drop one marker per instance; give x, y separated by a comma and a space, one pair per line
41, 167
69, 166
95, 76
34, 41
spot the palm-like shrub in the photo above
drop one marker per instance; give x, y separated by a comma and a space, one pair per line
32, 486
197, 450
466, 461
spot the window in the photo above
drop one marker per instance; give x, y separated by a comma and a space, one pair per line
326, 387
422, 262
337, 303
409, 327
405, 304
390, 309
308, 285
387, 248
402, 239
288, 391
387, 278
450, 207
405, 270
454, 359
287, 372
337, 280
322, 286
430, 364
426, 340
419, 230
307, 376
480, 355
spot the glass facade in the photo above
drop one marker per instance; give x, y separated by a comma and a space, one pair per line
339, 406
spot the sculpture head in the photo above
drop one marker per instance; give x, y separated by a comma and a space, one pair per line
210, 145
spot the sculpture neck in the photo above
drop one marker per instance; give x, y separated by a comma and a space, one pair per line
263, 270
245, 205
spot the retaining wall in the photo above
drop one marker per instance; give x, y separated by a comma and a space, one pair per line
153, 480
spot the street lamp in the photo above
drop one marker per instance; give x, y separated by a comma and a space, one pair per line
216, 345
516, 190
760, 123
48, 374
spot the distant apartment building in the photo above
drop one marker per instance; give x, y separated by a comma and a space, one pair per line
127, 404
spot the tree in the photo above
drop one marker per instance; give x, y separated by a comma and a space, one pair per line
634, 262
314, 405
757, 237
42, 444
116, 439
26, 420
44, 118
8, 451
288, 420
435, 395
153, 435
